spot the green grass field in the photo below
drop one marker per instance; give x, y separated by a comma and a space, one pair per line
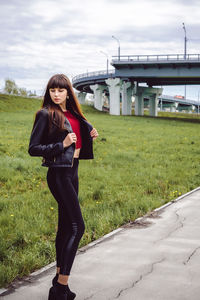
140, 164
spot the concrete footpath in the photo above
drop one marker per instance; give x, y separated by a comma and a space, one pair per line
157, 257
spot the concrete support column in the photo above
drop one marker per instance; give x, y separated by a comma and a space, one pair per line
126, 98
139, 104
105, 101
98, 95
81, 97
114, 85
174, 107
153, 105
150, 93
153, 101
135, 88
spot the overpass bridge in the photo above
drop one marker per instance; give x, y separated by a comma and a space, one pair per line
124, 81
177, 103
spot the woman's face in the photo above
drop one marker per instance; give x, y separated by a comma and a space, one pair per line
58, 96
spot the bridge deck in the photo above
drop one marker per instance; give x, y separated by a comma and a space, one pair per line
155, 70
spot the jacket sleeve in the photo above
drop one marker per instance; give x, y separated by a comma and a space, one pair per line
40, 128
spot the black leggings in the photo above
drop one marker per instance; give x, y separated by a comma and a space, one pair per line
63, 184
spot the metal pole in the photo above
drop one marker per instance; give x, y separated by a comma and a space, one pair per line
106, 61
107, 65
198, 100
185, 49
118, 46
185, 42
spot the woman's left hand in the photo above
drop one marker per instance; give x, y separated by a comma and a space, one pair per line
94, 134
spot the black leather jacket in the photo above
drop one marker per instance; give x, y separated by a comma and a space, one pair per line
49, 143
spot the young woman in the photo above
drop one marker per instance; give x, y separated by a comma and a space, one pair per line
62, 136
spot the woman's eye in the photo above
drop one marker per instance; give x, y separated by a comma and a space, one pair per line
61, 91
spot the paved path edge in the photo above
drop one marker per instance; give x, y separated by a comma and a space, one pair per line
94, 243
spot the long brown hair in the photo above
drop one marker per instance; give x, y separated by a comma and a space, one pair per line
56, 114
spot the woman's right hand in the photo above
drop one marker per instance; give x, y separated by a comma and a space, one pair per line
70, 139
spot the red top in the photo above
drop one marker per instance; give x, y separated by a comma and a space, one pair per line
75, 124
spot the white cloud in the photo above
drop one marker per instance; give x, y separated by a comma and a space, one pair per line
45, 37
48, 11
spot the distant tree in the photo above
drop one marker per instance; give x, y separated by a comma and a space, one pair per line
11, 87
15, 91
23, 92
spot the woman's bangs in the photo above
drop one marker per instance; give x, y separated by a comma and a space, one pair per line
57, 82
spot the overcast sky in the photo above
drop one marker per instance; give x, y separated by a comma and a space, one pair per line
42, 37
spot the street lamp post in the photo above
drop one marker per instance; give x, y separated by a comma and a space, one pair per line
185, 42
106, 60
118, 46
185, 49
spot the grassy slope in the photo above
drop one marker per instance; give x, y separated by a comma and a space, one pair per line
10, 103
140, 163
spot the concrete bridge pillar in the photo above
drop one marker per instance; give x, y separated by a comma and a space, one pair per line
150, 93
98, 95
81, 97
174, 107
114, 85
153, 101
126, 98
139, 103
153, 105
105, 100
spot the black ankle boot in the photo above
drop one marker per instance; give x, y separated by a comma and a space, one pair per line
71, 295
52, 295
55, 294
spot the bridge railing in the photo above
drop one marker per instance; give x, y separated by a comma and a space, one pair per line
157, 58
84, 76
